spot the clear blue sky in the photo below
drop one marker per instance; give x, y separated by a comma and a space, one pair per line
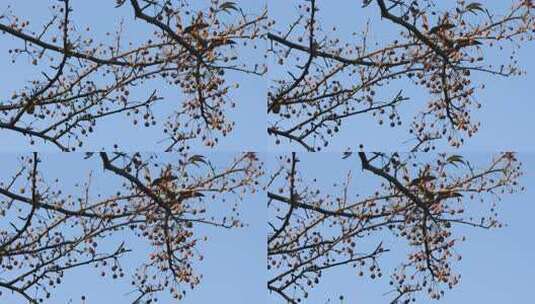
497, 266
234, 263
508, 104
249, 114
506, 115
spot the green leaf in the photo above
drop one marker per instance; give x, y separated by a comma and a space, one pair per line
195, 159
449, 194
228, 6
454, 159
474, 7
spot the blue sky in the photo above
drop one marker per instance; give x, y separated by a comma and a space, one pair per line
249, 114
497, 266
508, 103
506, 115
234, 261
